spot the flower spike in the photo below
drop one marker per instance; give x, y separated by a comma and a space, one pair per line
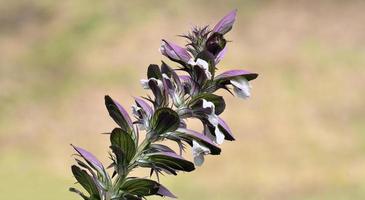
177, 94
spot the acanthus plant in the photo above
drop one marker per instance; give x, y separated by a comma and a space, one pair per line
163, 117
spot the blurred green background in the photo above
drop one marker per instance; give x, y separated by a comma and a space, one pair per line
300, 137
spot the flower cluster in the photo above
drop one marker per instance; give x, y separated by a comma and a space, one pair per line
162, 115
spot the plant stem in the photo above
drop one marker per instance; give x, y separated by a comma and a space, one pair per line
120, 179
145, 143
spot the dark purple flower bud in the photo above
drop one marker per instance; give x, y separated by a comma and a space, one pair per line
215, 43
220, 55
144, 105
174, 52
89, 158
226, 23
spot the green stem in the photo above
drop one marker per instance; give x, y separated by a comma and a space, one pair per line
145, 143
120, 179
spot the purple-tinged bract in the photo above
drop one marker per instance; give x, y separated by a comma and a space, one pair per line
226, 23
89, 158
175, 52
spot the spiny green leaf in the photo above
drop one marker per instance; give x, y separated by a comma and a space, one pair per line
145, 187
140, 187
124, 141
165, 120
118, 113
171, 160
85, 180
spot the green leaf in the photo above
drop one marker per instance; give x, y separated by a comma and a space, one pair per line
145, 187
118, 113
85, 180
129, 197
125, 142
140, 187
218, 101
170, 160
120, 163
165, 120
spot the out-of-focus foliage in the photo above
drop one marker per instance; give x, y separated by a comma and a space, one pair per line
303, 130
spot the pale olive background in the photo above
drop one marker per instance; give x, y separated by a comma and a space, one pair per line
300, 137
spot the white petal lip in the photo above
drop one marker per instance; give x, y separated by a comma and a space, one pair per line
208, 104
212, 118
159, 83
202, 64
165, 76
144, 83
199, 151
241, 87
219, 136
199, 160
135, 109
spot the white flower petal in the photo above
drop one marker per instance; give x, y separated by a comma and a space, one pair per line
209, 134
219, 136
144, 83
205, 66
159, 83
135, 110
212, 118
199, 160
208, 104
191, 62
241, 87
165, 76
199, 151
199, 148
202, 63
